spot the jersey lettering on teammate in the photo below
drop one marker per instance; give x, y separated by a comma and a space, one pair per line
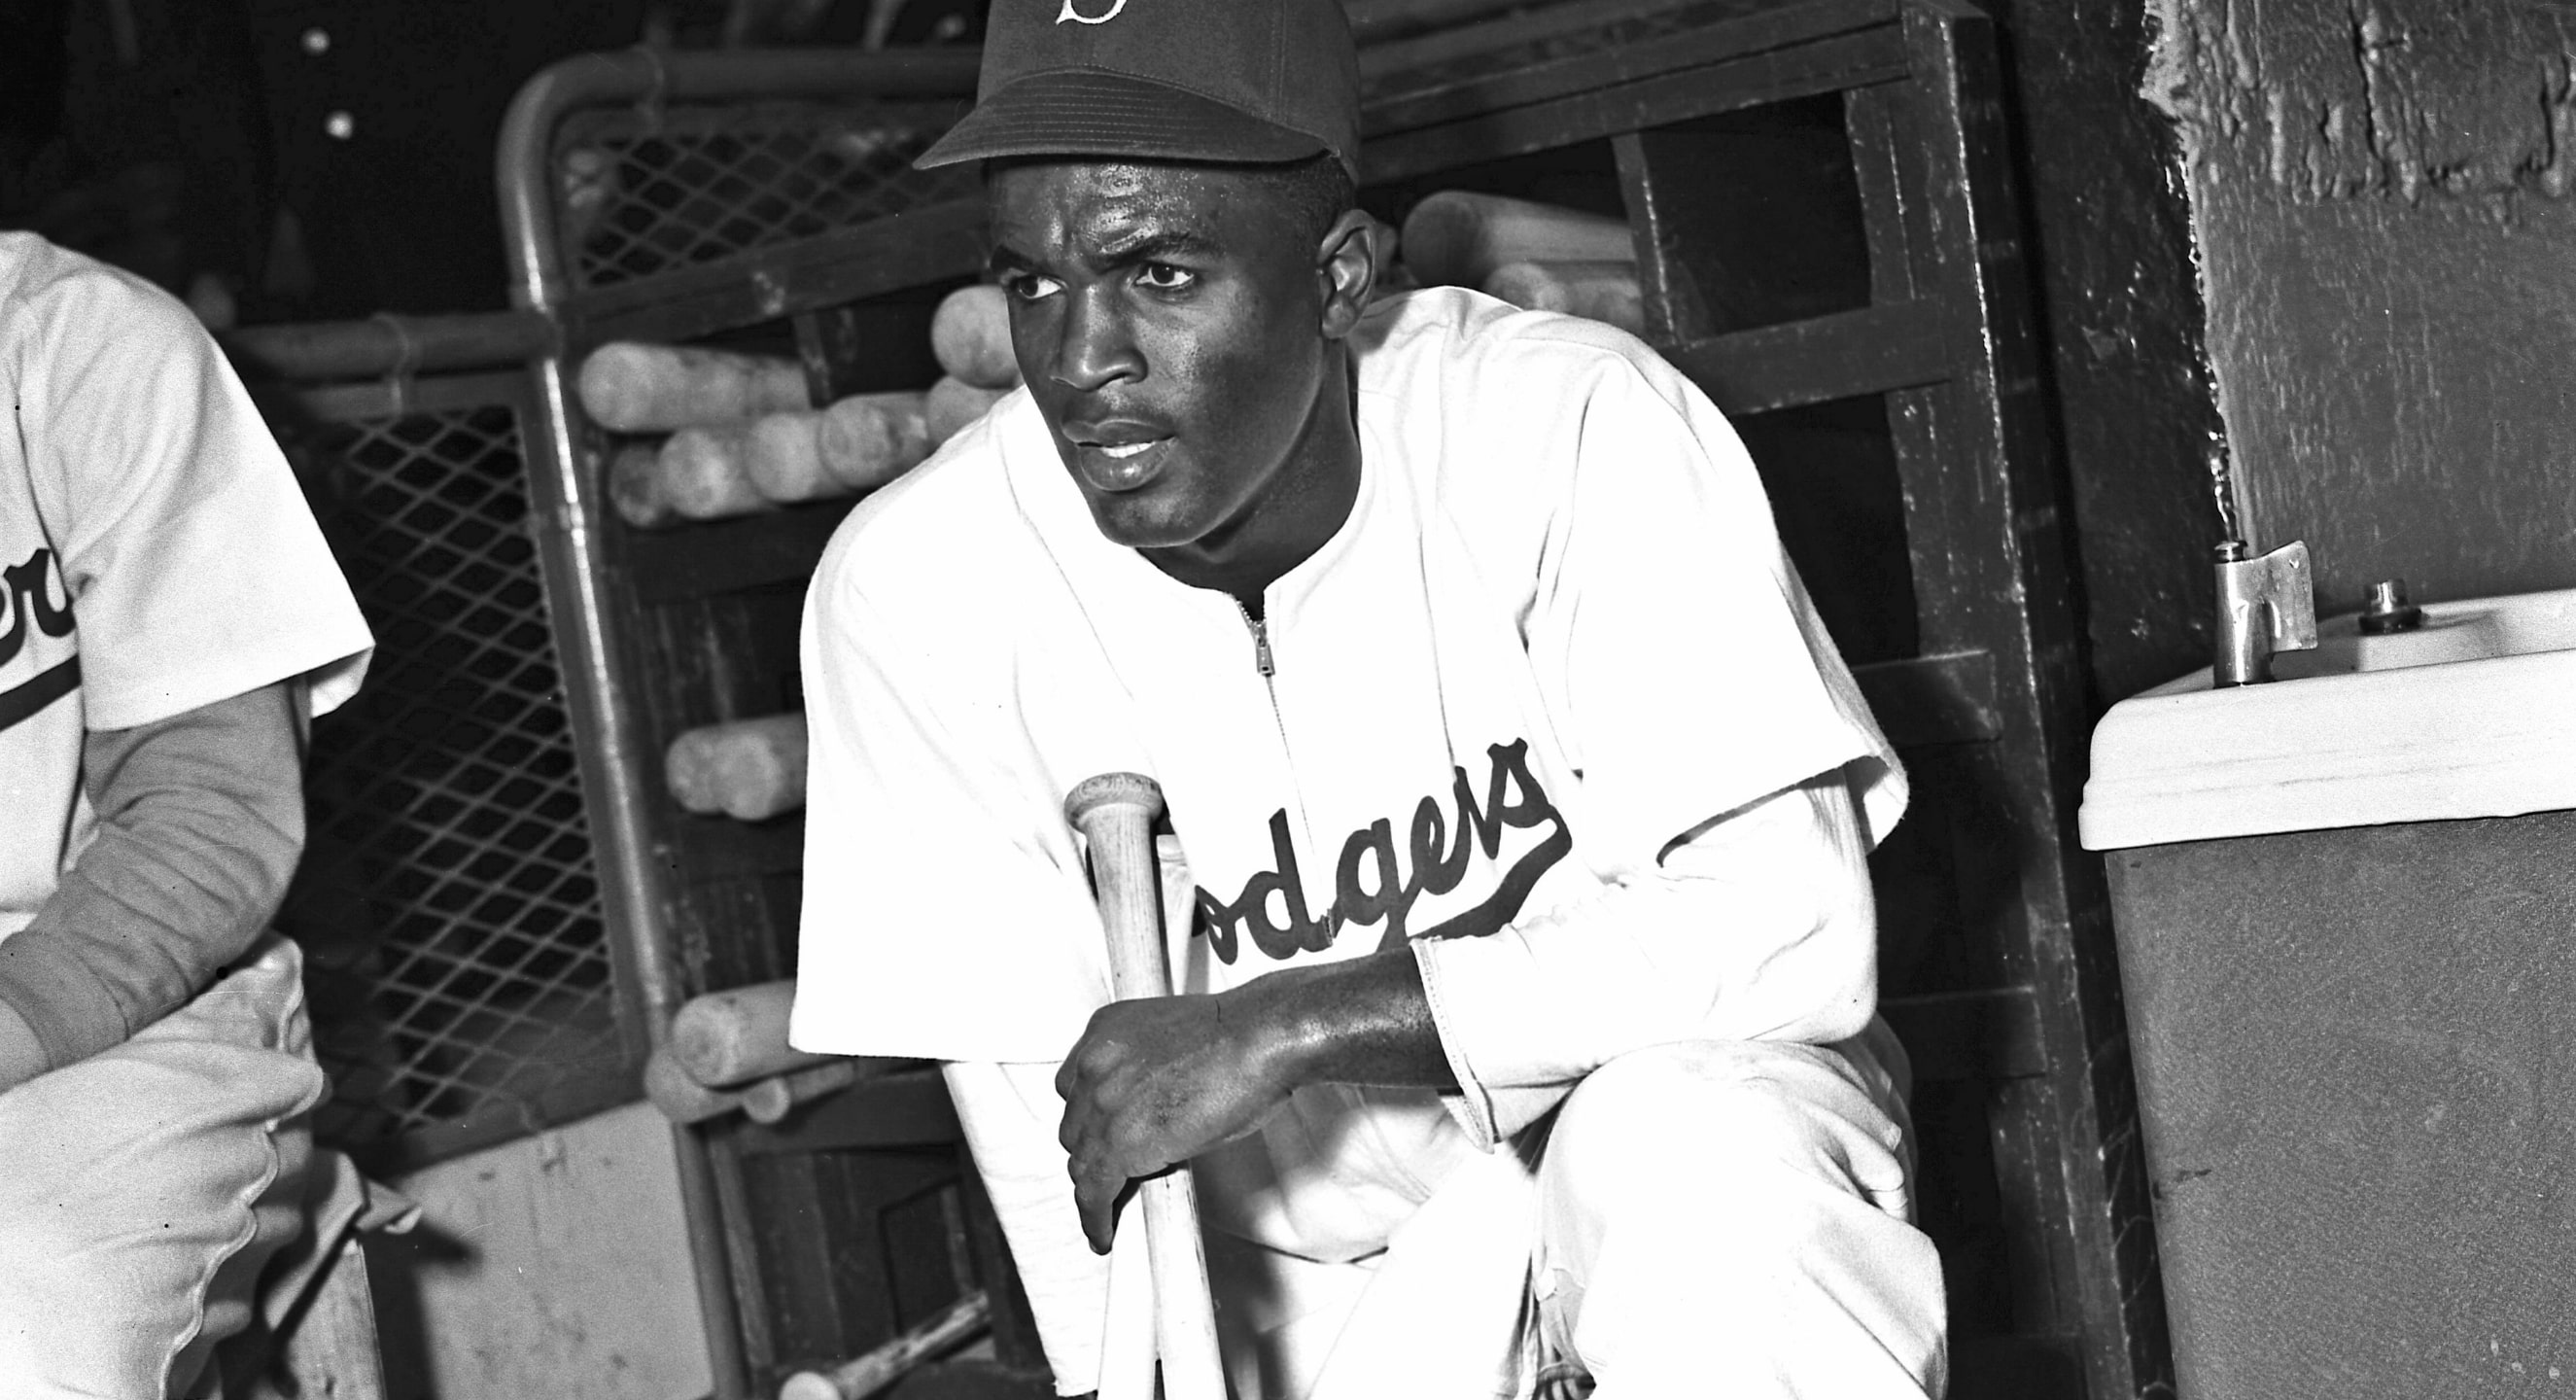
1371, 882
27, 604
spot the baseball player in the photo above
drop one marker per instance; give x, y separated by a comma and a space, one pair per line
169, 617
1527, 1039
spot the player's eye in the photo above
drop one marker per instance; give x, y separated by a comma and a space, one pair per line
1029, 286
1163, 277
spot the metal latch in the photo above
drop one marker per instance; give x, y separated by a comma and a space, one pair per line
2265, 605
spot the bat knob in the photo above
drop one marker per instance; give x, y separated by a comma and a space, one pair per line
1109, 791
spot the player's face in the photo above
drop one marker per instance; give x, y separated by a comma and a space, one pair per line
1170, 322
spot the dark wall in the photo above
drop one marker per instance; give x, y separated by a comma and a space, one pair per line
2381, 190
319, 158
400, 214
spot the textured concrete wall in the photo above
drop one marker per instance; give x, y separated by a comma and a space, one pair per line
2381, 191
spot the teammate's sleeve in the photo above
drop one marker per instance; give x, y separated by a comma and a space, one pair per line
195, 568
200, 822
943, 892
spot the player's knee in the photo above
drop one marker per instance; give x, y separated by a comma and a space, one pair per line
1686, 1117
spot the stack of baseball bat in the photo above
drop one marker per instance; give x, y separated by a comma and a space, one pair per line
727, 1052
1541, 257
718, 433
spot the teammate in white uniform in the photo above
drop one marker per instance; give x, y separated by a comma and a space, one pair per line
168, 617
1522, 798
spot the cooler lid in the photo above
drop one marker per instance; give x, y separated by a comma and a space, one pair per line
2472, 715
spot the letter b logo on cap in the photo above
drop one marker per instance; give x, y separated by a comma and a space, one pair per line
1078, 17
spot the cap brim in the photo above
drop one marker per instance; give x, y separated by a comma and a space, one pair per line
1092, 112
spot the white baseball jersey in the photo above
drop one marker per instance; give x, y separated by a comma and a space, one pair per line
155, 553
1555, 635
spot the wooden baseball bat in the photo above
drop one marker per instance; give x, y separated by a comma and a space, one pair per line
869, 1374
635, 487
870, 439
682, 1099
747, 769
970, 335
1458, 237
1115, 812
705, 472
738, 1035
627, 387
954, 403
1600, 291
857, 444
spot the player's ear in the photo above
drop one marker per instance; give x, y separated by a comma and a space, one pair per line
1346, 266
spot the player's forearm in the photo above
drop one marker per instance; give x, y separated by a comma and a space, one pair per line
201, 819
1362, 1021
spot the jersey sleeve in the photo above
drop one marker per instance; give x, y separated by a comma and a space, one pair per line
1730, 779
1757, 927
1672, 639
940, 883
195, 569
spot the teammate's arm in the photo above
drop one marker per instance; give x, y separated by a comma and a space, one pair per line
200, 823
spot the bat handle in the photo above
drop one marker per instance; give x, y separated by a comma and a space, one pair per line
1116, 812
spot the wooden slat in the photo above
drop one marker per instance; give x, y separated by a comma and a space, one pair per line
831, 345
1712, 48
1944, 699
908, 1108
726, 556
1987, 1035
720, 848
1831, 65
910, 249
1437, 33
361, 402
1870, 351
2017, 1366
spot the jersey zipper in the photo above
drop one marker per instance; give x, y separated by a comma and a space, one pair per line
1261, 658
1268, 665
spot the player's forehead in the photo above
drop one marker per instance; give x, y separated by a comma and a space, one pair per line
1101, 210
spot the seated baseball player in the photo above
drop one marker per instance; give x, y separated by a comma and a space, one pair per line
169, 616
1526, 1042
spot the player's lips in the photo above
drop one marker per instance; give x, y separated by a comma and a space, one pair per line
1118, 457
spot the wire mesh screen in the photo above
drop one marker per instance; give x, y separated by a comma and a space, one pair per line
459, 967
644, 191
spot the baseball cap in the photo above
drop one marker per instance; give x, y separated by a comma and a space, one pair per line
1213, 80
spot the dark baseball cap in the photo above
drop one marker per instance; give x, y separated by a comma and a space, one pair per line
1212, 80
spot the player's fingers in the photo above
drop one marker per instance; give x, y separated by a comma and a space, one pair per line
1097, 1203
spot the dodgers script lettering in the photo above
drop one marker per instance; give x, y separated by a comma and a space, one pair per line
28, 597
1371, 882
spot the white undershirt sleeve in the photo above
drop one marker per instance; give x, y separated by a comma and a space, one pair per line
1010, 1113
1758, 926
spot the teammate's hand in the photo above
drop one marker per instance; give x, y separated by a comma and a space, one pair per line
1154, 1082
